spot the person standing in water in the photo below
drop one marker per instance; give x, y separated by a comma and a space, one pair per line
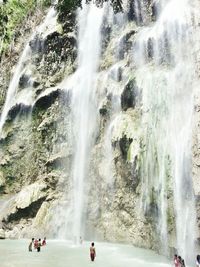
92, 252
35, 244
39, 245
198, 261
30, 247
44, 242
183, 263
176, 261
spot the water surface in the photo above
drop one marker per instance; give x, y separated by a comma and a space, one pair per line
14, 253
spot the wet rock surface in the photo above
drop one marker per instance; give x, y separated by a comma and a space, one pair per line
38, 151
37, 146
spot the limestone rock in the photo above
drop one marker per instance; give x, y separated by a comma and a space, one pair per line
105, 107
26, 202
13, 234
2, 179
29, 195
5, 159
45, 123
56, 159
124, 125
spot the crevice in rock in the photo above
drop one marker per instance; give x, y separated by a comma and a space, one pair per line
124, 144
46, 100
18, 109
28, 212
129, 95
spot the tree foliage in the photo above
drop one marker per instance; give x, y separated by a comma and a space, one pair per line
116, 4
71, 5
12, 13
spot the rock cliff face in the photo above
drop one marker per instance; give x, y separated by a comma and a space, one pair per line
37, 140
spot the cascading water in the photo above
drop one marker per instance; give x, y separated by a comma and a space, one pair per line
165, 65
84, 113
20, 68
161, 54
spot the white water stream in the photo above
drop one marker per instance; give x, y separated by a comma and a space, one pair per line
49, 20
84, 107
166, 73
84, 110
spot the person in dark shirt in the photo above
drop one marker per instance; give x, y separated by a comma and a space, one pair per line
39, 245
30, 247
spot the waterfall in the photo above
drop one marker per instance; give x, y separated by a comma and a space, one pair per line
165, 70
84, 114
154, 56
21, 66
162, 55
84, 107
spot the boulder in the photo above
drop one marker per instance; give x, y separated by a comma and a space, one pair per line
26, 203
29, 194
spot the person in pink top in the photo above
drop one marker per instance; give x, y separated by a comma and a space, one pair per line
176, 261
35, 244
44, 242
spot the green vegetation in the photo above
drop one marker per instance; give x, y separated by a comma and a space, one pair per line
12, 14
73, 4
66, 6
